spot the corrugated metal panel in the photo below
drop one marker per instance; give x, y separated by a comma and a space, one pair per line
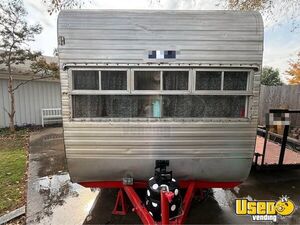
29, 100
117, 148
102, 146
113, 36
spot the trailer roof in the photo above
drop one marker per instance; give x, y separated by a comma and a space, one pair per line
127, 36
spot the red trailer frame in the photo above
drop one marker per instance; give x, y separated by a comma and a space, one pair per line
140, 209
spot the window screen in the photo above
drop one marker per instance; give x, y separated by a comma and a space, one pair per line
235, 80
147, 80
175, 80
147, 106
120, 106
203, 106
208, 80
85, 80
113, 80
87, 106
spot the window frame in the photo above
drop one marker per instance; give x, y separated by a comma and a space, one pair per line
161, 91
246, 92
99, 92
191, 91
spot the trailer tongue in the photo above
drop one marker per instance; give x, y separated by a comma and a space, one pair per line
163, 202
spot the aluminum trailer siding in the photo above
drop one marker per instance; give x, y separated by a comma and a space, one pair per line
213, 148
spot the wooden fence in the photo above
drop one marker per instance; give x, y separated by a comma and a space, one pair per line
286, 96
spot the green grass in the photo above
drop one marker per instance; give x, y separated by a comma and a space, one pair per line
12, 169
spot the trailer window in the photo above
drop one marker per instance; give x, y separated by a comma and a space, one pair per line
113, 80
203, 106
165, 93
208, 80
171, 80
147, 80
85, 80
235, 80
175, 80
166, 106
87, 106
117, 106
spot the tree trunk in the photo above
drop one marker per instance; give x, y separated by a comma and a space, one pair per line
12, 112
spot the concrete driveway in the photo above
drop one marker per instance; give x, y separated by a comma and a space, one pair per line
53, 199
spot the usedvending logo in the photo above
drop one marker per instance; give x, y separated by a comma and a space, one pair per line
265, 210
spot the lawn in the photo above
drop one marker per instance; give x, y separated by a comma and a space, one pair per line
12, 169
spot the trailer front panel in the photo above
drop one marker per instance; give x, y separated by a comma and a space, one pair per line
139, 86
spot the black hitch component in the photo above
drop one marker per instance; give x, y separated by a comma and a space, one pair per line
161, 174
162, 179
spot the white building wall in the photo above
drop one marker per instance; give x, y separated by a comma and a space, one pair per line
29, 100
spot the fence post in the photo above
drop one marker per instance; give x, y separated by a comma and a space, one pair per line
265, 146
283, 144
42, 112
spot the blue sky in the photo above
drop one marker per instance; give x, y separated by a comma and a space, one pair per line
280, 44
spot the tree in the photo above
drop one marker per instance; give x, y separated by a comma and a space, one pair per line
15, 35
270, 77
57, 5
294, 71
273, 10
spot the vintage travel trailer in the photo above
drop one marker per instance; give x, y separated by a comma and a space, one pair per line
140, 86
